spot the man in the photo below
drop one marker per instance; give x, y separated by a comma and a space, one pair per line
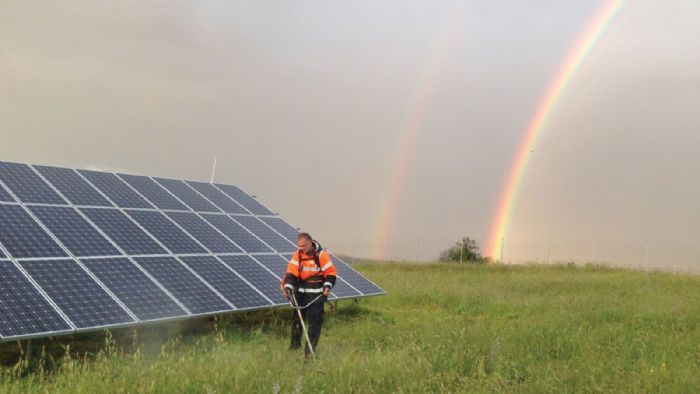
310, 277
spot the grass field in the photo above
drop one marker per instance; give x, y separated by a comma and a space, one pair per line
443, 327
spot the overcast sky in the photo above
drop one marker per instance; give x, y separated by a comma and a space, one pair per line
304, 104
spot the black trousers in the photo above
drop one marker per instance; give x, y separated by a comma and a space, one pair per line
313, 316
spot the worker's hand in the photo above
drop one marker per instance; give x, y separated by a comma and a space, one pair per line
288, 293
326, 291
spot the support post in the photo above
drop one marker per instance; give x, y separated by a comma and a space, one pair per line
647, 254
213, 171
421, 250
503, 244
595, 247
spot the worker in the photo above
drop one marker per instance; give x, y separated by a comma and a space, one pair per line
310, 277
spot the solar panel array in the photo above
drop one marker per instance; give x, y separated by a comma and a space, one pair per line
83, 250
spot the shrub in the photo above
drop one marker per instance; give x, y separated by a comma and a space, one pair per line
466, 250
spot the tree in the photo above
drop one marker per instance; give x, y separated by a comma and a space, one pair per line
466, 250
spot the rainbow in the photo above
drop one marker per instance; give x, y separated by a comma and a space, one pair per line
410, 136
575, 57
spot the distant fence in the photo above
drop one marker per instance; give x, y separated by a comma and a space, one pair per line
675, 257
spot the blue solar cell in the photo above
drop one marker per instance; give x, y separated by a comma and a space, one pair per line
282, 227
275, 263
5, 196
265, 233
123, 231
134, 288
204, 232
238, 233
154, 192
27, 185
230, 285
73, 186
23, 310
244, 199
185, 286
76, 233
187, 195
115, 189
166, 232
256, 274
355, 279
2, 255
82, 299
218, 197
24, 237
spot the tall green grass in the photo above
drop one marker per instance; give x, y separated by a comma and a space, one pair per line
442, 328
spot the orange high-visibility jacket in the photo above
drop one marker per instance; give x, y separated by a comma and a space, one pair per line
304, 274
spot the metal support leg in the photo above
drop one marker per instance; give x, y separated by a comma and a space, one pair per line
29, 349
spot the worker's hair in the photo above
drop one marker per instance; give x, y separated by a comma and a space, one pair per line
304, 235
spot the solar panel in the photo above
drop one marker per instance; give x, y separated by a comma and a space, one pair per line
166, 232
27, 185
226, 282
123, 231
136, 290
244, 199
73, 186
115, 189
23, 310
188, 195
218, 197
245, 239
85, 303
82, 250
265, 233
154, 192
197, 227
24, 237
74, 232
253, 272
184, 285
